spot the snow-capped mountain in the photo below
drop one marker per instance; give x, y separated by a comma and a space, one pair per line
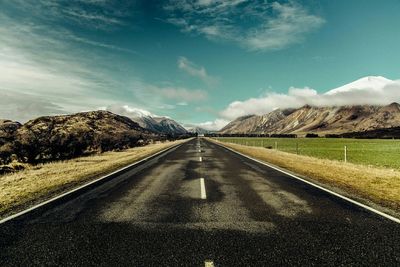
196, 129
374, 83
160, 124
356, 116
150, 121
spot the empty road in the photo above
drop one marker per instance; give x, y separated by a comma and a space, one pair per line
201, 205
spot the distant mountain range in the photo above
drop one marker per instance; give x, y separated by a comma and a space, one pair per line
324, 120
198, 130
160, 125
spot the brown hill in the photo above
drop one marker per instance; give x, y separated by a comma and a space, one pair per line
322, 120
66, 136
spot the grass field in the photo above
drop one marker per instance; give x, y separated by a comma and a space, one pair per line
376, 152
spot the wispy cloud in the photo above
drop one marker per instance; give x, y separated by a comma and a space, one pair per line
44, 74
269, 26
194, 70
92, 14
297, 97
166, 96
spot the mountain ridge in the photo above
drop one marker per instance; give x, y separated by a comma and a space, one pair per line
323, 120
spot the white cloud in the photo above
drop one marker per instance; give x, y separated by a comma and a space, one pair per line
215, 125
129, 111
297, 97
182, 104
272, 25
194, 70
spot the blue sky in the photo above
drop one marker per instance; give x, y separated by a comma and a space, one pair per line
199, 62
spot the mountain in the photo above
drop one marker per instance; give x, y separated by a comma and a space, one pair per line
255, 123
67, 136
198, 130
322, 120
169, 126
160, 125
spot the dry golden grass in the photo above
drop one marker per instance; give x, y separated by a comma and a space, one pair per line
40, 182
369, 184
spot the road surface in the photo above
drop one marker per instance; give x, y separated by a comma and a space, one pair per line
201, 205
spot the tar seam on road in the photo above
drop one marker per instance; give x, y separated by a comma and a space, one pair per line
203, 194
85, 185
387, 216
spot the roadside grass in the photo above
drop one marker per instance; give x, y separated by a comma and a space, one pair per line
374, 186
40, 182
377, 152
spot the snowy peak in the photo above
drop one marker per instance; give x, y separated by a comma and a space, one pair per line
196, 129
170, 126
375, 83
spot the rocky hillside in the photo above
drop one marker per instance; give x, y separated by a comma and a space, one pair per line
323, 120
67, 136
170, 126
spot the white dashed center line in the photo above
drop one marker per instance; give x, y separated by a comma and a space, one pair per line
200, 159
208, 263
202, 189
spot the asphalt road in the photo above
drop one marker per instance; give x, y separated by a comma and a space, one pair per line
161, 215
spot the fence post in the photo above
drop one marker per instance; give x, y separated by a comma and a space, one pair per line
276, 145
345, 153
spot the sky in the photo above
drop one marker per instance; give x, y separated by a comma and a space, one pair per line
200, 62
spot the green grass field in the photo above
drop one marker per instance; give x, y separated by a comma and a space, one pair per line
376, 152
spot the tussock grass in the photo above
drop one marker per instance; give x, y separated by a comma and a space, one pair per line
375, 186
40, 182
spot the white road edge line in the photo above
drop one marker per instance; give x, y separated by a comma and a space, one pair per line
208, 263
387, 216
203, 194
83, 186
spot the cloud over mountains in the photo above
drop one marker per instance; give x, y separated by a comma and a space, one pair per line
373, 90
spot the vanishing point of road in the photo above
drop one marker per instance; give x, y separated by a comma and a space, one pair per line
200, 204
